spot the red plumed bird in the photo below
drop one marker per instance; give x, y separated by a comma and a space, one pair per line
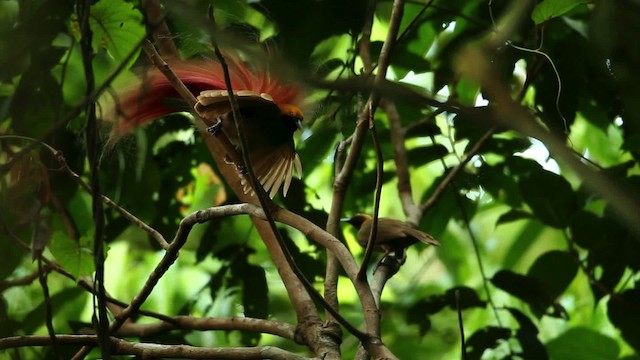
267, 105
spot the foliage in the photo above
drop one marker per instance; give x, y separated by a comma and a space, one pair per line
518, 126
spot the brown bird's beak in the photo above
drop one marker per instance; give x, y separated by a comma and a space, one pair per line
357, 220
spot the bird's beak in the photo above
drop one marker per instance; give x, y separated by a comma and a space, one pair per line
299, 124
345, 219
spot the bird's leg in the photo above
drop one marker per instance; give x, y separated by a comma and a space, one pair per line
233, 156
394, 260
215, 128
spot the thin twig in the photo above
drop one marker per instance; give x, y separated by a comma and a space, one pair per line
405, 190
25, 280
376, 200
463, 345
48, 307
454, 172
93, 157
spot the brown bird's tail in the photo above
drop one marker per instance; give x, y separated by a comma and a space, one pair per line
422, 237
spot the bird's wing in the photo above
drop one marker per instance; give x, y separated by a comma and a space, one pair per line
274, 170
390, 229
213, 103
273, 165
421, 236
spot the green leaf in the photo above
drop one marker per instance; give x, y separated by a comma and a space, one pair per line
556, 270
512, 215
588, 230
255, 291
530, 290
117, 27
76, 258
36, 317
467, 298
583, 343
9, 10
9, 324
422, 155
525, 238
527, 335
624, 313
549, 9
483, 339
550, 196
9, 263
523, 320
501, 184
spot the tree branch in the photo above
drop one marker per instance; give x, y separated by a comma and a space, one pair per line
149, 350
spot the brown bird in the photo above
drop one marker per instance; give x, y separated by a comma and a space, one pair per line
393, 235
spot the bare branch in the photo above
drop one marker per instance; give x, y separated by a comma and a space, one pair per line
149, 350
405, 191
278, 328
25, 280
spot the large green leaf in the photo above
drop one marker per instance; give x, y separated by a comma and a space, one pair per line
530, 290
583, 343
556, 270
550, 196
116, 26
623, 312
549, 9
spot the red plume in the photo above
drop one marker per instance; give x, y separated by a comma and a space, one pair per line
146, 99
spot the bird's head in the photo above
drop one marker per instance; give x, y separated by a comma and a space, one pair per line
292, 116
357, 220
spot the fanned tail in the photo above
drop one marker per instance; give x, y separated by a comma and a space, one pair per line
148, 98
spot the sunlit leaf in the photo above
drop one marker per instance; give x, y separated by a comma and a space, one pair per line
76, 258
116, 26
549, 9
583, 343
